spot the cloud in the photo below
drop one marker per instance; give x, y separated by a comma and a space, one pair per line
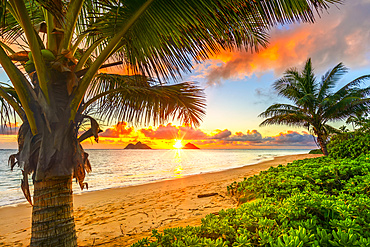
253, 137
291, 138
340, 36
162, 132
170, 132
221, 134
250, 136
120, 129
9, 129
163, 136
189, 133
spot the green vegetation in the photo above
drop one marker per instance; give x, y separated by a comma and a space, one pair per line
349, 145
314, 102
312, 202
315, 151
56, 85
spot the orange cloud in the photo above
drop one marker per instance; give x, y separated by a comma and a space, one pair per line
162, 132
163, 137
118, 130
170, 132
336, 37
189, 133
225, 138
220, 134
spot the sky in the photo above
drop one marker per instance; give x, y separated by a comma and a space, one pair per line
238, 86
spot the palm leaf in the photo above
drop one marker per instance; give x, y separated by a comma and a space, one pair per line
169, 35
278, 109
138, 99
11, 29
9, 102
290, 119
329, 80
354, 83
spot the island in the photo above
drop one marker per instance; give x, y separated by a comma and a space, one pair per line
138, 145
190, 146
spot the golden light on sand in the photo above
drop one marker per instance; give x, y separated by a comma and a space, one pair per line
178, 144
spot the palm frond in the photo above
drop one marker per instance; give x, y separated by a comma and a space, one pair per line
9, 102
11, 29
355, 83
279, 11
280, 109
346, 107
329, 80
308, 83
138, 99
331, 130
301, 87
285, 114
287, 85
56, 8
171, 34
290, 119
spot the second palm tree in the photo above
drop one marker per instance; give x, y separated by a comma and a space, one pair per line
314, 103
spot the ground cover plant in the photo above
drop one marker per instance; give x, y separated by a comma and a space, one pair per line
312, 202
350, 144
315, 151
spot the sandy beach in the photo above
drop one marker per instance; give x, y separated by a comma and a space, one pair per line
119, 217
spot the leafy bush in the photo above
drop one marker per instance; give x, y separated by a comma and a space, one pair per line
315, 151
312, 202
349, 145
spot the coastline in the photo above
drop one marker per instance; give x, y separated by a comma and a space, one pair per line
121, 216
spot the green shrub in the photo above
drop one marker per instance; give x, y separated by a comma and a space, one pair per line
349, 145
315, 151
312, 202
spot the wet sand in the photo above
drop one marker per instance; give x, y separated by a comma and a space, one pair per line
119, 217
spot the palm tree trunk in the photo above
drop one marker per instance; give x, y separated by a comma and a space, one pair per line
52, 215
322, 145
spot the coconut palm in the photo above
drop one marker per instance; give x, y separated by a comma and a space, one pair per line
360, 120
57, 55
314, 102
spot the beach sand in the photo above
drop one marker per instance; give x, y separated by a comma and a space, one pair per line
120, 217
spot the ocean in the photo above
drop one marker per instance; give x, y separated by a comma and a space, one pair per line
121, 168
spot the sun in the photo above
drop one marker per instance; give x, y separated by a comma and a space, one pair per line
177, 144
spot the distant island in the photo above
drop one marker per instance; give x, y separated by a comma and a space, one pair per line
190, 146
138, 145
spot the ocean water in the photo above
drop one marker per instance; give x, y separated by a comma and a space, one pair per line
120, 168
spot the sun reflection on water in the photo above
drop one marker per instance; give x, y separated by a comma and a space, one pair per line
177, 159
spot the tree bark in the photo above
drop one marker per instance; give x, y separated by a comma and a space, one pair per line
52, 215
322, 145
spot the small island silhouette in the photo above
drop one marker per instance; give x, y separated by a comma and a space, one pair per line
190, 146
138, 145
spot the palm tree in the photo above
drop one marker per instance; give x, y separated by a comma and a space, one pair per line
360, 120
314, 103
58, 83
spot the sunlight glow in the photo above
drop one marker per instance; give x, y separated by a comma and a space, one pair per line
178, 169
178, 144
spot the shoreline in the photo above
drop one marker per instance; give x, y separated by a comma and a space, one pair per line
121, 216
160, 179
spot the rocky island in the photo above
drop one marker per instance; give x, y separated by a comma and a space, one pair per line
138, 145
190, 146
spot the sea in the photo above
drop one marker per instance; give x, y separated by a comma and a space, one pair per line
113, 168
